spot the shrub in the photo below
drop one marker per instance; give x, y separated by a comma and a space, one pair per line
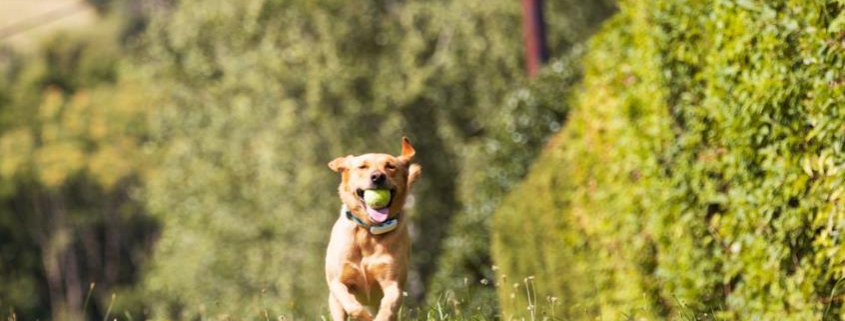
509, 141
699, 173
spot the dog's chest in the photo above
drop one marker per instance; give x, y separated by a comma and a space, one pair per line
362, 279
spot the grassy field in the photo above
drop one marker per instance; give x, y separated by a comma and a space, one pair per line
24, 22
451, 305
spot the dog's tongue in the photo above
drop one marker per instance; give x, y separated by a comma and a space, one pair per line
378, 215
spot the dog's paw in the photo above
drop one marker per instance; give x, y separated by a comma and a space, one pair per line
361, 314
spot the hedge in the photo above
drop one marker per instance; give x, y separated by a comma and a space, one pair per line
699, 174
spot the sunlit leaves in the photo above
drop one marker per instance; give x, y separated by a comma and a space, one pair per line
730, 198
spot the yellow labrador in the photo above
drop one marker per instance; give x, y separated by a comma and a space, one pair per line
369, 249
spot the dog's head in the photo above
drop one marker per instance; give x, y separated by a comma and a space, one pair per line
376, 171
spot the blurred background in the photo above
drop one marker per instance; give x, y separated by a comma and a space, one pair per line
672, 159
174, 152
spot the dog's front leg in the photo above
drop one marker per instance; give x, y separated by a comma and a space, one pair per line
348, 301
390, 303
337, 311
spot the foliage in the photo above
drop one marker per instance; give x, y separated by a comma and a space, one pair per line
512, 137
699, 169
530, 114
220, 124
67, 170
251, 99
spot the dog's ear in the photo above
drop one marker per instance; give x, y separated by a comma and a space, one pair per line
413, 173
339, 164
408, 151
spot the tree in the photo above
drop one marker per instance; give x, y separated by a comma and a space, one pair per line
253, 98
70, 140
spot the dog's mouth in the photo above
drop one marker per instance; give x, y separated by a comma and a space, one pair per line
377, 215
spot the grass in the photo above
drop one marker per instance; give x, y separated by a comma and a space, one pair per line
454, 305
457, 305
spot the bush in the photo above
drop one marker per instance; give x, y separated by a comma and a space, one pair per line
531, 113
699, 173
510, 140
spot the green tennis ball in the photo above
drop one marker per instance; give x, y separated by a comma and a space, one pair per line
377, 198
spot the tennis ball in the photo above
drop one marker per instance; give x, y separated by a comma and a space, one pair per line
377, 198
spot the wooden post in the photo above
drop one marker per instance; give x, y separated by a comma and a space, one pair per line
534, 36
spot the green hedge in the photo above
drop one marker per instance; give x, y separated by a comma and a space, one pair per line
699, 174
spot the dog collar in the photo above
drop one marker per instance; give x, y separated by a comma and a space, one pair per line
376, 229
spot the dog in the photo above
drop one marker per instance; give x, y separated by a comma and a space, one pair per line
369, 249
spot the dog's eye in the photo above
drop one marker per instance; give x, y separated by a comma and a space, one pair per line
389, 166
362, 166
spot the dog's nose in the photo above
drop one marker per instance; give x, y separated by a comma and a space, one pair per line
377, 178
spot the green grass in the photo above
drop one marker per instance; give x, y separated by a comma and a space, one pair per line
454, 304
